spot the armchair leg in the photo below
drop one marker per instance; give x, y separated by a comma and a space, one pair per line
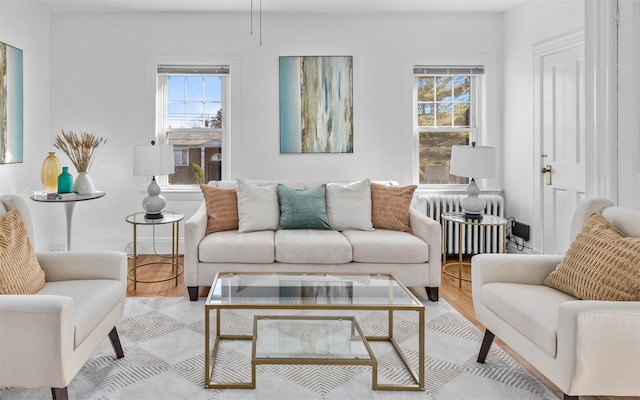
115, 342
432, 293
486, 345
59, 393
193, 293
567, 397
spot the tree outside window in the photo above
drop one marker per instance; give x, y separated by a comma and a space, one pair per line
444, 118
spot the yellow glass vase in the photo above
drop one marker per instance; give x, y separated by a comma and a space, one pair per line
49, 173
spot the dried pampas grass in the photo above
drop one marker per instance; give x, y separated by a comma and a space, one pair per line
80, 149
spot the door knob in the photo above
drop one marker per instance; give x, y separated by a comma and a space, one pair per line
547, 174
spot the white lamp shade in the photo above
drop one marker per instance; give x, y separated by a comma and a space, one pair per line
473, 161
152, 160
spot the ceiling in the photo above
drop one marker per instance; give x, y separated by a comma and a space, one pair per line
281, 6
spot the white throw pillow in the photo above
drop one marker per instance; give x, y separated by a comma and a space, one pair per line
349, 206
258, 207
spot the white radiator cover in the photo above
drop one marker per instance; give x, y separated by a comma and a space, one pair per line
476, 239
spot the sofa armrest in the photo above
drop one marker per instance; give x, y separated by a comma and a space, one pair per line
194, 231
603, 337
39, 331
79, 265
529, 269
430, 232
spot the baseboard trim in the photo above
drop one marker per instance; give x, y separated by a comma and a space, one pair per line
144, 246
512, 248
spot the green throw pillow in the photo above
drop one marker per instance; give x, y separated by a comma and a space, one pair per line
303, 209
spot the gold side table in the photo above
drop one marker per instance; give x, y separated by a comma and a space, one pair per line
458, 220
169, 217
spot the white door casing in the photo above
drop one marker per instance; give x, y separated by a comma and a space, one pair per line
560, 119
629, 103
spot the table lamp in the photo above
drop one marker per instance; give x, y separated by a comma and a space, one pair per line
151, 160
473, 162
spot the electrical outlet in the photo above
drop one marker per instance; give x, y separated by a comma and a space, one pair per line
521, 230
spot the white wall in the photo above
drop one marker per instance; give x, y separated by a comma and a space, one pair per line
88, 72
27, 27
98, 84
525, 26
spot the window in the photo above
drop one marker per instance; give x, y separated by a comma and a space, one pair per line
181, 156
192, 108
446, 113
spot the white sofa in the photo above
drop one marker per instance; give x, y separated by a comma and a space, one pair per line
414, 259
46, 337
585, 347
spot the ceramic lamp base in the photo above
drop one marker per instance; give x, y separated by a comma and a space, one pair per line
154, 202
473, 205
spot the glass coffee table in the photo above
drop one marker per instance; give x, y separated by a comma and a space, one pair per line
310, 339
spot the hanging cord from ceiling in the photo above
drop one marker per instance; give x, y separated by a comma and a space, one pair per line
260, 20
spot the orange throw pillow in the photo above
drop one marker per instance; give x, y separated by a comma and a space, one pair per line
20, 272
390, 207
222, 208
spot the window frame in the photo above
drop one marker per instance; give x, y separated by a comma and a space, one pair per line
163, 132
231, 118
475, 120
182, 151
487, 124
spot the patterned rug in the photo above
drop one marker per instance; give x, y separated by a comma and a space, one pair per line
163, 341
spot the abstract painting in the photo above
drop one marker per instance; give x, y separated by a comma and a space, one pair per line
10, 104
316, 104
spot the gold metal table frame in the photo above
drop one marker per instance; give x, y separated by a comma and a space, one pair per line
211, 354
458, 219
356, 335
169, 217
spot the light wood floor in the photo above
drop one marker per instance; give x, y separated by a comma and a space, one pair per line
459, 298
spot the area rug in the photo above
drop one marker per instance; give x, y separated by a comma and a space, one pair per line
163, 341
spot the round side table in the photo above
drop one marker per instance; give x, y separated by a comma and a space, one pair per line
169, 217
69, 202
458, 220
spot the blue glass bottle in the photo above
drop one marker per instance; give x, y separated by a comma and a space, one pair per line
65, 181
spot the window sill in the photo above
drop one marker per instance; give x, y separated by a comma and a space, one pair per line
183, 193
452, 190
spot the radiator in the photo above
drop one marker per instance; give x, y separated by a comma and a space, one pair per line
476, 239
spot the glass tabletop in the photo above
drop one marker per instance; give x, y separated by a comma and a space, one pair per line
309, 290
168, 217
65, 197
487, 219
291, 337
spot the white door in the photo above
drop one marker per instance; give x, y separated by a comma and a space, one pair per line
563, 143
629, 104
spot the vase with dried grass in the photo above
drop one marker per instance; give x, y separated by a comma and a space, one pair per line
81, 150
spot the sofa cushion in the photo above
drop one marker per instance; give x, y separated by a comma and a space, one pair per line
390, 207
601, 264
232, 247
349, 205
387, 246
303, 209
20, 272
312, 246
93, 300
258, 207
531, 310
222, 208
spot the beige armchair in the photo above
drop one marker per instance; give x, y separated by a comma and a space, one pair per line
585, 347
47, 337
